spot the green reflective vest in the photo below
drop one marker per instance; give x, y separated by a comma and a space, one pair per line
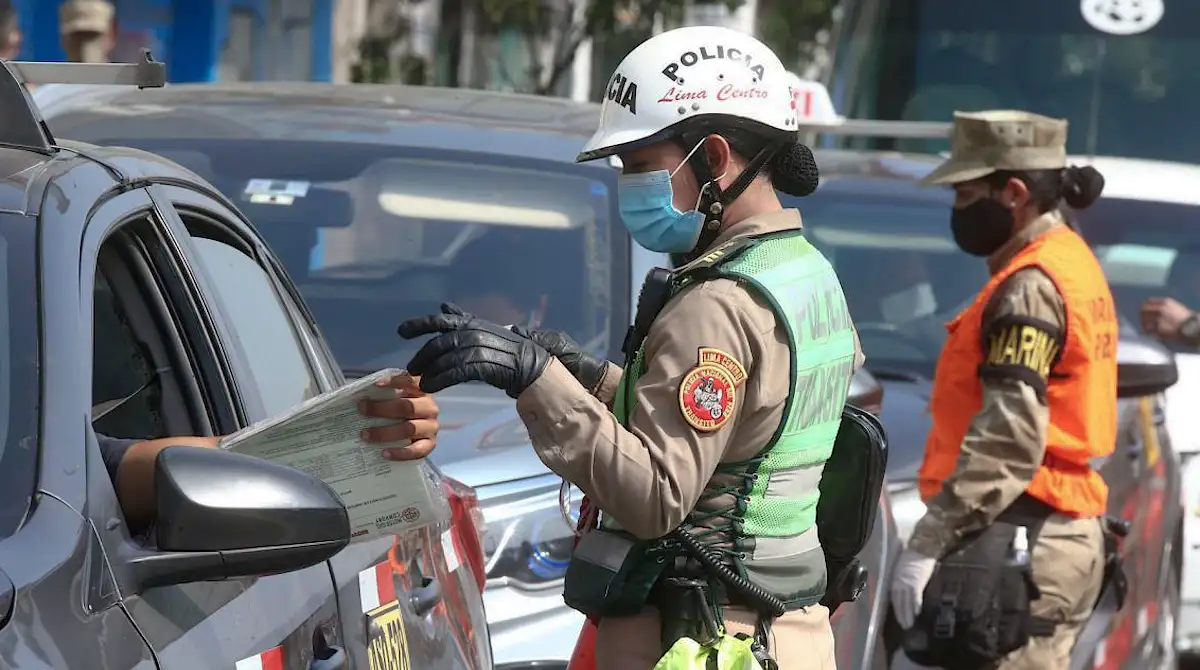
761, 513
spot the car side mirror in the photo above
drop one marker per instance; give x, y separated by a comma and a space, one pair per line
1144, 367
866, 393
222, 515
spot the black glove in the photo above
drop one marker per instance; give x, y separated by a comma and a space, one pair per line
471, 349
587, 369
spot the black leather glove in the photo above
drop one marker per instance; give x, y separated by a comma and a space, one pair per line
471, 349
587, 369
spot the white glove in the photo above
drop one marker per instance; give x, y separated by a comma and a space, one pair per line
913, 572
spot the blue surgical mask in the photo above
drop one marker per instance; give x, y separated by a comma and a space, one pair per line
648, 210
647, 202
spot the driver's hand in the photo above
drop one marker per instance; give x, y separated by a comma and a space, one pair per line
416, 419
1163, 317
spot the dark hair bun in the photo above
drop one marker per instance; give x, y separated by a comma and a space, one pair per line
1081, 186
794, 171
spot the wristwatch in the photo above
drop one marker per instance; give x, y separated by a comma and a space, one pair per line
1189, 330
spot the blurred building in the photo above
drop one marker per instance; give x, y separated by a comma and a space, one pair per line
462, 49
440, 42
206, 40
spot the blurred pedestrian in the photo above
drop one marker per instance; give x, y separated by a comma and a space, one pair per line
86, 28
10, 31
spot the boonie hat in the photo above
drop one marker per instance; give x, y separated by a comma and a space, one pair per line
85, 16
984, 142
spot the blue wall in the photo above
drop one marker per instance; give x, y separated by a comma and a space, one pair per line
187, 34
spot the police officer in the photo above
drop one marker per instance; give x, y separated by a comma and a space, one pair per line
1025, 389
10, 31
738, 386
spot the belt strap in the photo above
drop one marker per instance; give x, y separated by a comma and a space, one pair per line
1040, 626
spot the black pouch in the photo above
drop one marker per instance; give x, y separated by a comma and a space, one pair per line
976, 607
611, 574
850, 488
686, 609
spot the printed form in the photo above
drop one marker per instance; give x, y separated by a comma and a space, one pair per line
321, 437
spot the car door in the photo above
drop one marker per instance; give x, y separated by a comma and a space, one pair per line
162, 369
50, 565
1154, 535
397, 594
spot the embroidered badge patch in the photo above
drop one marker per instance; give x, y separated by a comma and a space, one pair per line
708, 392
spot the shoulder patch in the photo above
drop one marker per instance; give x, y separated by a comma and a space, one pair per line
708, 392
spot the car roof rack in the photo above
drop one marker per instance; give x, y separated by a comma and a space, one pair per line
937, 130
815, 114
23, 124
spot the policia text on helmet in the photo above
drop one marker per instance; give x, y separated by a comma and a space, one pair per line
734, 486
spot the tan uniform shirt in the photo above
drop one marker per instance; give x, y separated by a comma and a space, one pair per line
1006, 441
650, 476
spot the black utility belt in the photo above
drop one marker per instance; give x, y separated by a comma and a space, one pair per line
976, 607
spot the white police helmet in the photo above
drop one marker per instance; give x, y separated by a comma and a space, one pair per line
690, 80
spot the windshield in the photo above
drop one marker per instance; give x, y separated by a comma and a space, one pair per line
375, 235
904, 277
1123, 77
902, 273
1148, 250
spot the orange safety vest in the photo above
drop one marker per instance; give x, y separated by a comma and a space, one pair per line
1081, 391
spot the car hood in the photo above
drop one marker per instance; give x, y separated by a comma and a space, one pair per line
906, 419
482, 440
1183, 422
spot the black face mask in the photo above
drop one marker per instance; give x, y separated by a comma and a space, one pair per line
981, 227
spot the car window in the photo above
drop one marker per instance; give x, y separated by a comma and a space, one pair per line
19, 361
144, 380
126, 395
902, 273
259, 317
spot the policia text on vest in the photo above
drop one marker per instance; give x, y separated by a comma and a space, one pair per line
692, 572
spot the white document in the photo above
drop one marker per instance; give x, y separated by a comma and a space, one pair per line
321, 436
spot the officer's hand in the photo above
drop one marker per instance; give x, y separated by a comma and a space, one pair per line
416, 415
471, 349
587, 369
913, 572
1163, 317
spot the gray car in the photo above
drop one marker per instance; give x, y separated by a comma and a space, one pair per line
415, 196
126, 273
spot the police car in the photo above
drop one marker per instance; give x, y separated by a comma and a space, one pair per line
393, 199
904, 277
132, 285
